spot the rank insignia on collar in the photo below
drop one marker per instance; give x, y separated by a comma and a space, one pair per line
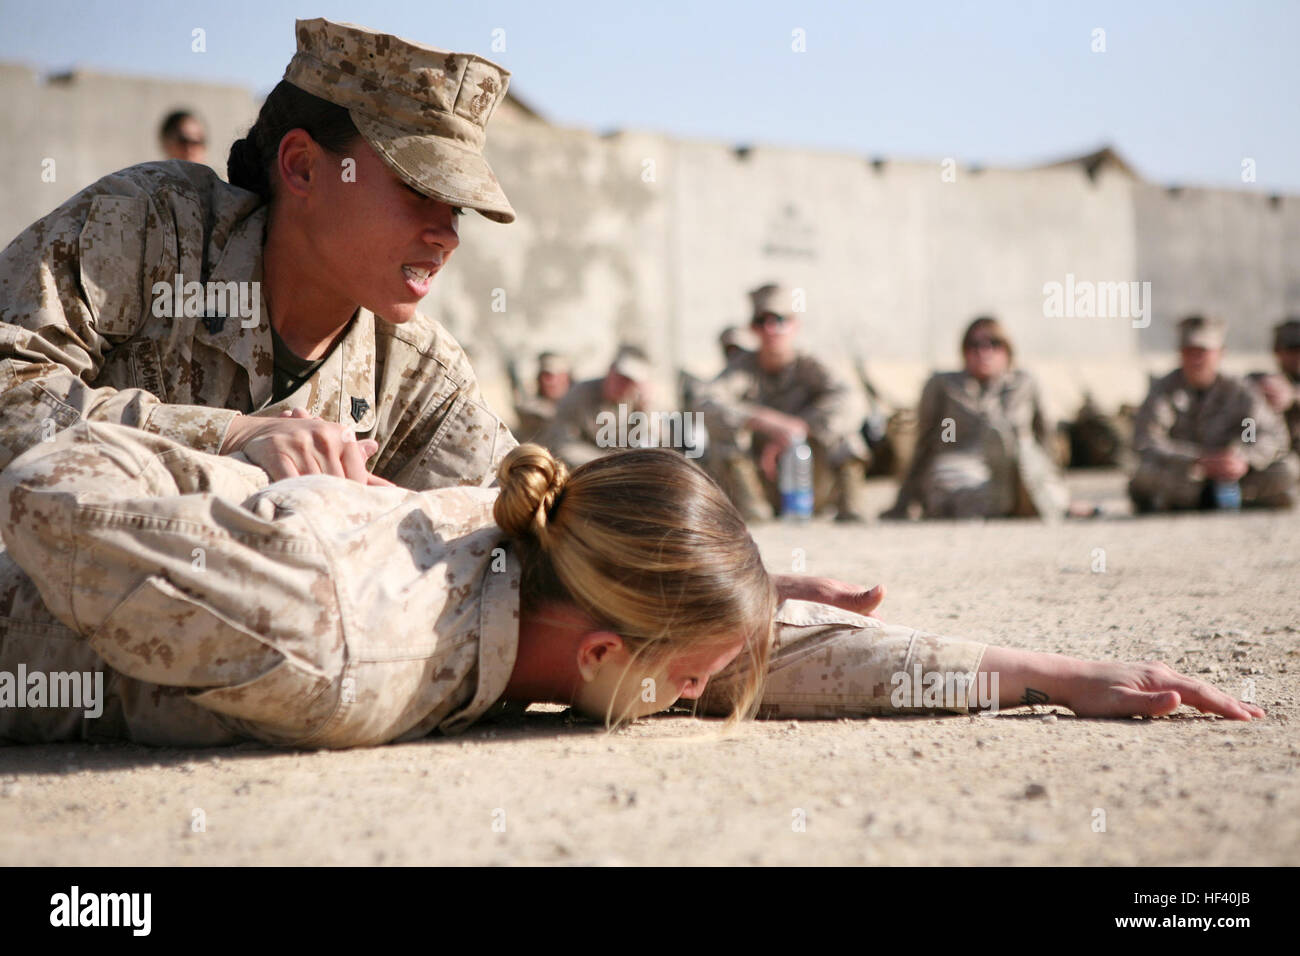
214, 323
359, 408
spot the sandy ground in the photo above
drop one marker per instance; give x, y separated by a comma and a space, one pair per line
1215, 596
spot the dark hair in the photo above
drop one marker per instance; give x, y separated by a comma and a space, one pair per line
992, 325
286, 107
171, 126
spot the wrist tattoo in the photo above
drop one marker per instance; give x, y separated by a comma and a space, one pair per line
1033, 697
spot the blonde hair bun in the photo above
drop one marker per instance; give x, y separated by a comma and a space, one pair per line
531, 480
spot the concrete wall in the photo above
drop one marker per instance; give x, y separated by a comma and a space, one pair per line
92, 124
638, 237
1235, 254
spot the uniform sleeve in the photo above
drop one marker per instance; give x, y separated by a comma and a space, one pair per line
829, 413
1151, 432
1271, 439
73, 286
927, 428
828, 663
1042, 428
722, 400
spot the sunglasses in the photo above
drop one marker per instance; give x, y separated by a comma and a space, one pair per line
187, 141
976, 345
768, 318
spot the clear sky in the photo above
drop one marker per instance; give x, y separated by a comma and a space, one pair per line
1184, 90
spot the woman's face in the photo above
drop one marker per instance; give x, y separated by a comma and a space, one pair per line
637, 692
986, 355
377, 242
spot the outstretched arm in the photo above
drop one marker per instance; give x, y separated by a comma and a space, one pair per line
1104, 688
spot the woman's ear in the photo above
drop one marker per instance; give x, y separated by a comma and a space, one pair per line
295, 161
596, 648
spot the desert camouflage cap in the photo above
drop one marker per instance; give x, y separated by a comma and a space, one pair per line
1198, 331
631, 362
422, 109
772, 299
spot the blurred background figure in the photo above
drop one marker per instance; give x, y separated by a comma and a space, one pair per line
1281, 389
535, 412
734, 344
764, 402
983, 444
1201, 434
1098, 440
182, 136
575, 432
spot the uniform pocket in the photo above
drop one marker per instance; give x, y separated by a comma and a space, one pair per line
111, 252
32, 414
463, 449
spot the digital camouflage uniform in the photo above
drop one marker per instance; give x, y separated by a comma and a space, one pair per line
806, 389
313, 611
1177, 425
84, 335
995, 462
79, 337
827, 663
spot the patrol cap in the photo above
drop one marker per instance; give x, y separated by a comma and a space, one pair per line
422, 109
1286, 335
772, 299
552, 363
631, 362
1198, 331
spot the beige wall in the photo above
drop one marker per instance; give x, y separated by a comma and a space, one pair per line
639, 237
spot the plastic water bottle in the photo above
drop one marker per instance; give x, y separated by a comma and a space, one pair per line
1227, 495
796, 482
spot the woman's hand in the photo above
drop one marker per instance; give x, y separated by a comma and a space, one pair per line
849, 597
297, 444
1103, 688
1149, 689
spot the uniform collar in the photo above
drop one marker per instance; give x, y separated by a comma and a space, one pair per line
343, 388
498, 644
248, 346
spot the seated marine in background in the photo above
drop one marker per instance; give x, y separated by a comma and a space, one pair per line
1205, 439
766, 401
1281, 389
534, 413
982, 439
578, 433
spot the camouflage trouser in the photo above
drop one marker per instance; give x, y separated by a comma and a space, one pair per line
837, 485
1159, 485
961, 485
